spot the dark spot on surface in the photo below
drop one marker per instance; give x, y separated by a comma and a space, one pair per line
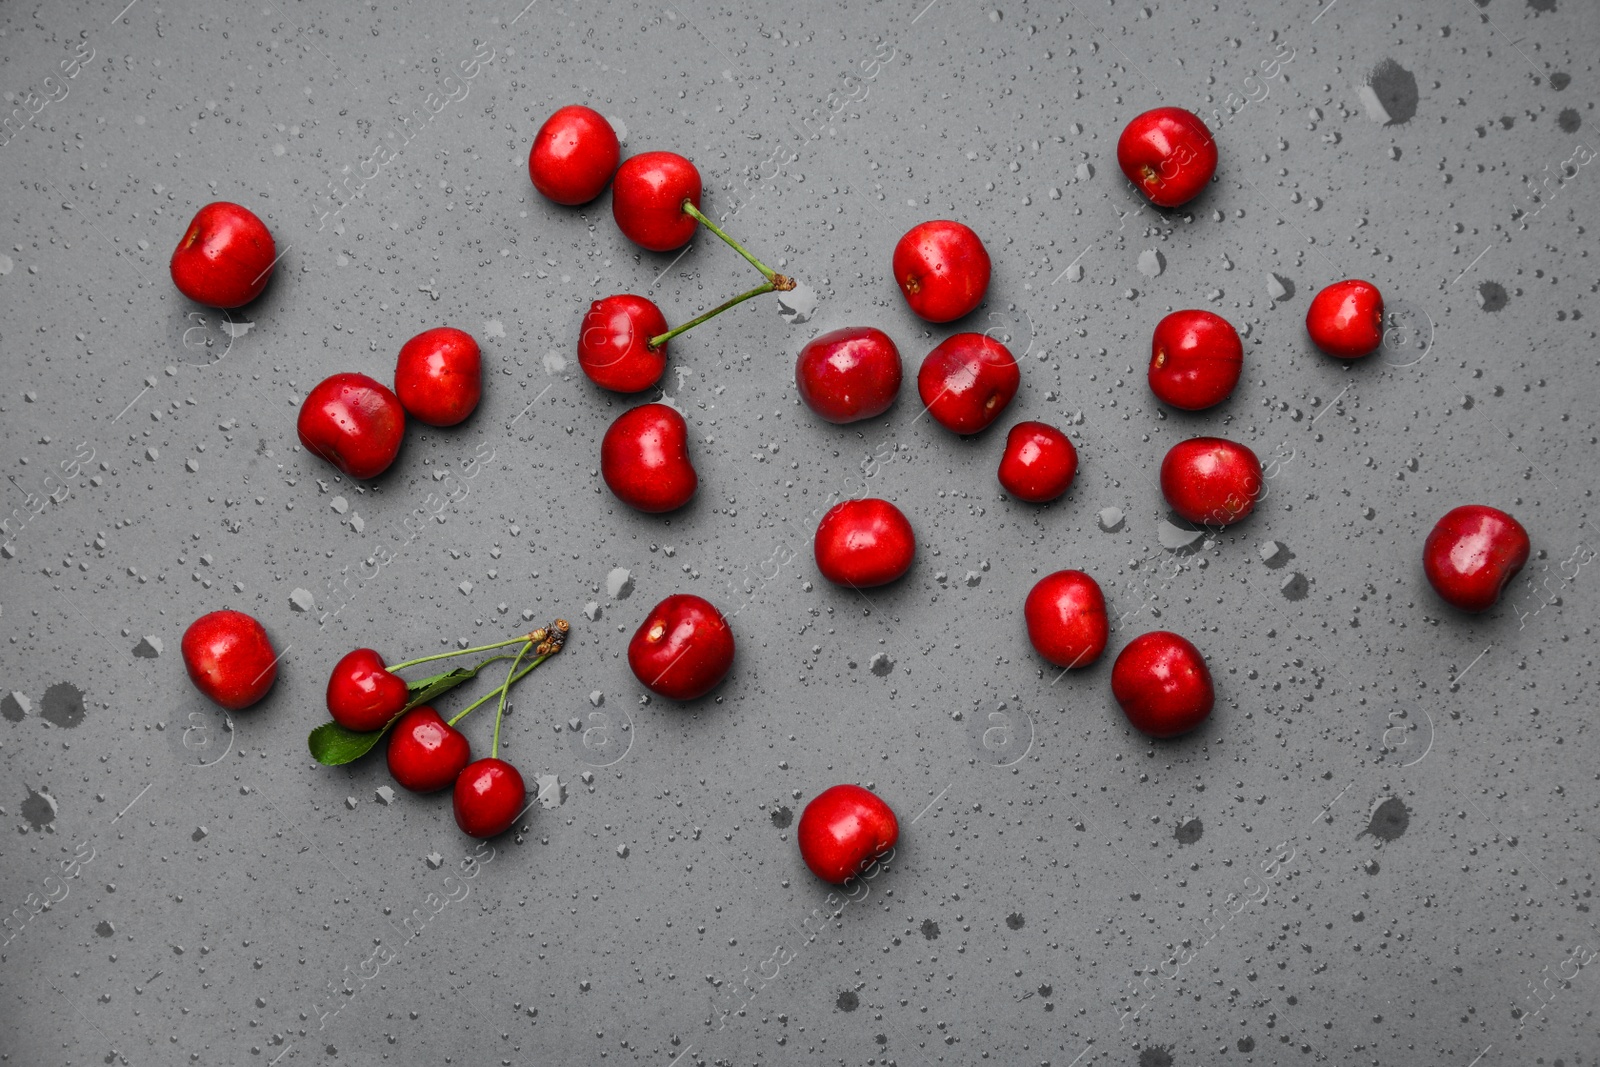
930, 930
105, 929
1506, 122
1188, 833
1560, 80
1371, 867
1295, 587
39, 809
1389, 820
848, 1001
62, 705
1156, 1056
1396, 89
1492, 296
782, 817
1014, 920
1542, 7
1569, 120
882, 1039
15, 706
1046, 990
1247, 1044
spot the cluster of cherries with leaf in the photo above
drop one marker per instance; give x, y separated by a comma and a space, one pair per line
685, 647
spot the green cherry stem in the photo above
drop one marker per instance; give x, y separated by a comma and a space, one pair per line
505, 691
462, 652
552, 638
778, 281
765, 287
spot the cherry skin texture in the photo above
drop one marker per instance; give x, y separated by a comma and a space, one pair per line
863, 543
1066, 618
683, 649
843, 830
644, 458
647, 200
1169, 154
225, 257
574, 154
942, 268
439, 376
614, 343
849, 374
1163, 684
1472, 553
967, 381
1211, 481
362, 694
1038, 464
229, 658
425, 752
353, 422
1345, 320
489, 795
1195, 360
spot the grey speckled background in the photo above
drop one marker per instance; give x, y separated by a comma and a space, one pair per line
1380, 850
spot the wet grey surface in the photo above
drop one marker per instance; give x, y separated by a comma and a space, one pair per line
1381, 848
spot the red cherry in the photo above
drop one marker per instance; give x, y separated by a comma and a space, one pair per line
439, 376
1039, 462
1210, 480
644, 458
1163, 684
683, 649
362, 694
574, 154
863, 543
843, 830
425, 752
967, 381
1066, 618
614, 343
849, 374
1345, 320
942, 268
1472, 553
225, 257
1195, 359
353, 422
489, 795
229, 658
647, 200
1169, 154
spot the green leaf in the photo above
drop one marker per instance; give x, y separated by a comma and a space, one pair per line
333, 745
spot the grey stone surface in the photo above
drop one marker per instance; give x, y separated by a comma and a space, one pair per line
1380, 850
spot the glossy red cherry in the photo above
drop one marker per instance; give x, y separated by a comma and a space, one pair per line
1169, 154
1472, 553
843, 830
1210, 480
967, 381
225, 257
353, 422
489, 795
683, 649
1195, 359
1163, 684
439, 376
647, 200
644, 458
942, 268
229, 658
1066, 618
863, 543
362, 694
1038, 464
849, 374
574, 154
1346, 319
614, 343
425, 752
